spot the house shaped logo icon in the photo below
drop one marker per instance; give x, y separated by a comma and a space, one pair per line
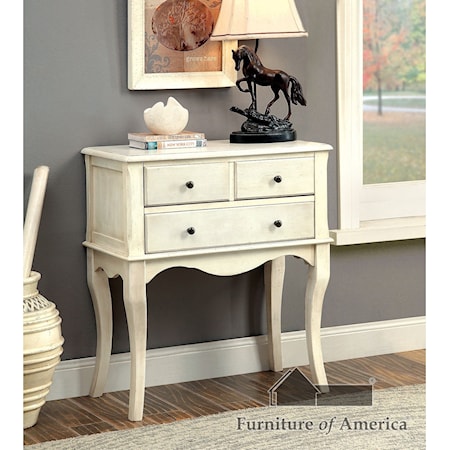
294, 388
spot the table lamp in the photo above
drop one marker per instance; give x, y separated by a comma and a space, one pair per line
255, 19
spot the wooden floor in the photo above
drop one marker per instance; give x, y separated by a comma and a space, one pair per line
60, 419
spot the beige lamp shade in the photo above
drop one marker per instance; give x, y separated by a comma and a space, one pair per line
255, 19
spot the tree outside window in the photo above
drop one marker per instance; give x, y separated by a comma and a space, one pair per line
393, 90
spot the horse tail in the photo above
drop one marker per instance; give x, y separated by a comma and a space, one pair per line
296, 92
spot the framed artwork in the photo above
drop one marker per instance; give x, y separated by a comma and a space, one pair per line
160, 58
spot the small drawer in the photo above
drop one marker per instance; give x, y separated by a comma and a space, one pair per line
275, 178
187, 230
178, 184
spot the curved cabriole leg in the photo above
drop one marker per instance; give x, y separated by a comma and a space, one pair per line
273, 281
135, 300
101, 298
318, 278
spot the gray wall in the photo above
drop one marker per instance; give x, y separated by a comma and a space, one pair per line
75, 95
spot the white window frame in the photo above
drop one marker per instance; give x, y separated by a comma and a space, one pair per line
376, 212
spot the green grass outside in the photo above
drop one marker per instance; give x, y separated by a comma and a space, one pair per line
394, 147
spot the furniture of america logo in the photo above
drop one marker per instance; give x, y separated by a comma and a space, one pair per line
294, 388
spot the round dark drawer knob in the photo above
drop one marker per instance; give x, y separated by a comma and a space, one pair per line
277, 179
189, 184
278, 223
191, 230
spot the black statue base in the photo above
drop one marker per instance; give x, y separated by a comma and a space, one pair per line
246, 137
262, 128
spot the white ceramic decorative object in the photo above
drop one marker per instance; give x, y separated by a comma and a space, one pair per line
42, 339
169, 119
42, 347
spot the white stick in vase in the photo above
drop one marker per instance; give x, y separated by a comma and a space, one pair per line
33, 217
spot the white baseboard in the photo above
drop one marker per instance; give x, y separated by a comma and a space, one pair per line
183, 363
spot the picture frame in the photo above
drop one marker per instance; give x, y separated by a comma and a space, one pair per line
151, 66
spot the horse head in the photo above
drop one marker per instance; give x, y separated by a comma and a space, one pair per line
237, 56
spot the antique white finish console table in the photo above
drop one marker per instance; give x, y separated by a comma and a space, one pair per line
223, 209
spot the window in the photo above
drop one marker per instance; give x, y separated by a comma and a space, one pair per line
381, 117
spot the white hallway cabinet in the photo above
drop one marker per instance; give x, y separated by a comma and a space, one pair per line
223, 209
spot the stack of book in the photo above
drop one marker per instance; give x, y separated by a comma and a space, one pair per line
185, 139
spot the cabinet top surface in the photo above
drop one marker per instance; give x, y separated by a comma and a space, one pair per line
214, 149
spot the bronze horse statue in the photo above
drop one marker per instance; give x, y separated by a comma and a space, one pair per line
256, 74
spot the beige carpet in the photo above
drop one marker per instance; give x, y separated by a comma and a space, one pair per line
396, 420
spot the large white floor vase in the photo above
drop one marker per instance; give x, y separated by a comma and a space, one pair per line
42, 348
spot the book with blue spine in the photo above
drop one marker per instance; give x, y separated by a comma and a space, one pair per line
176, 143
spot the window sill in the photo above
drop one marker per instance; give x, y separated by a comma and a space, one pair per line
381, 231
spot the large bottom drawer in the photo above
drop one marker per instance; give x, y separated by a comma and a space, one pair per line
187, 230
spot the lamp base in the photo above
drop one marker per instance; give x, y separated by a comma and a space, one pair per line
245, 137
